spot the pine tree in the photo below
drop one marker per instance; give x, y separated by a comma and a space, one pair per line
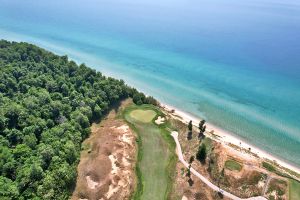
201, 154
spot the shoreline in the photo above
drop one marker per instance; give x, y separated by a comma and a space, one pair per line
224, 136
228, 138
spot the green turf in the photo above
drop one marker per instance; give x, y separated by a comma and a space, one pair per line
156, 157
233, 165
144, 116
294, 190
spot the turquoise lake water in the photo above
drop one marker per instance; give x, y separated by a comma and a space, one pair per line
234, 63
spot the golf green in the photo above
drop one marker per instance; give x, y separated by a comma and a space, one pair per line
143, 115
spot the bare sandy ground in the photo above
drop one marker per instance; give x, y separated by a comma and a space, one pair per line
160, 120
106, 168
249, 182
197, 191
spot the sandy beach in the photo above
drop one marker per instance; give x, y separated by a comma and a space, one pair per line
227, 138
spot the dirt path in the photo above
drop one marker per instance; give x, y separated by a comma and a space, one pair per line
205, 180
267, 184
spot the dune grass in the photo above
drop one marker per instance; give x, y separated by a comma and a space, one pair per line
277, 171
233, 165
294, 190
208, 143
269, 167
156, 156
277, 185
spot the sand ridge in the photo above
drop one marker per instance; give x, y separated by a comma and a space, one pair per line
107, 163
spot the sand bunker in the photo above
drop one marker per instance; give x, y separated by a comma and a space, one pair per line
184, 198
91, 184
124, 128
127, 139
111, 191
123, 179
113, 164
261, 184
160, 120
113, 188
127, 136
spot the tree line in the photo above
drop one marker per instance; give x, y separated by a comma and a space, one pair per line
47, 104
201, 153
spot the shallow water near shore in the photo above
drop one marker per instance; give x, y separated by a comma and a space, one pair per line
234, 63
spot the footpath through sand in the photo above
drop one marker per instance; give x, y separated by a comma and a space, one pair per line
205, 180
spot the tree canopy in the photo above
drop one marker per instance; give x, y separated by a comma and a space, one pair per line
190, 126
202, 128
47, 104
201, 153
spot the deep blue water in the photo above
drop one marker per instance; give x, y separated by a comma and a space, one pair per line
234, 63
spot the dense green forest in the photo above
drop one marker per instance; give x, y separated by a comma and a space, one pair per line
47, 104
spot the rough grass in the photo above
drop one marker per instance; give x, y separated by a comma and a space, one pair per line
156, 156
233, 165
277, 185
255, 177
269, 167
208, 143
278, 171
144, 116
294, 190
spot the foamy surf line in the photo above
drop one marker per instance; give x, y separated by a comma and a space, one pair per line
229, 138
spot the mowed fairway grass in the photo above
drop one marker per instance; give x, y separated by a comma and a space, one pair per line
156, 156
